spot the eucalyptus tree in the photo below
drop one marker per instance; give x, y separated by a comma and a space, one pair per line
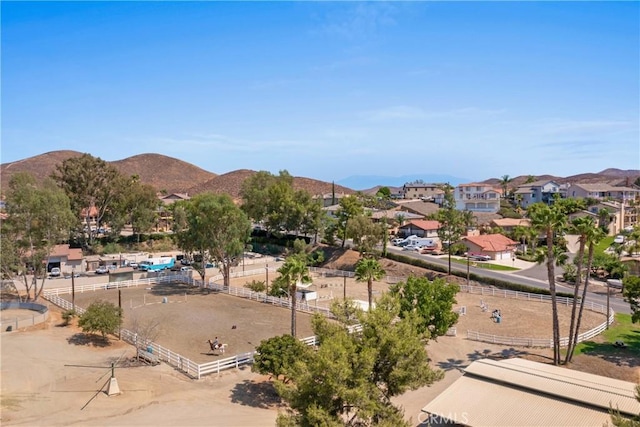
551, 221
216, 230
451, 221
367, 270
90, 183
38, 218
351, 379
139, 206
255, 195
365, 233
350, 207
431, 301
294, 271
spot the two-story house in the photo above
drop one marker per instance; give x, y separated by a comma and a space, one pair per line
539, 191
421, 190
603, 192
476, 197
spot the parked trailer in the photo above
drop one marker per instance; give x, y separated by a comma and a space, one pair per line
156, 264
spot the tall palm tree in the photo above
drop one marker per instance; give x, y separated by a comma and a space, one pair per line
582, 227
368, 270
551, 221
294, 270
592, 237
504, 183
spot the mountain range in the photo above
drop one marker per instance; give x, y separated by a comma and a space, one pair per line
171, 175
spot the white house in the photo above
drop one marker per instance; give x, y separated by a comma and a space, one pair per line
477, 197
539, 191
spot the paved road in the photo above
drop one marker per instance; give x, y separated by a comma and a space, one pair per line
534, 276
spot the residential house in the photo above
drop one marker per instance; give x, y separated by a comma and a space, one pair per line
421, 190
164, 219
477, 197
612, 216
420, 228
539, 191
417, 207
329, 199
509, 224
497, 246
603, 192
66, 259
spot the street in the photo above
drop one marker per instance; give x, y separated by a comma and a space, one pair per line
534, 276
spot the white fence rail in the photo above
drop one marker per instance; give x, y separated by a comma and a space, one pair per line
534, 342
195, 370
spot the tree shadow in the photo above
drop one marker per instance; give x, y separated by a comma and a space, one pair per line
256, 394
89, 339
451, 363
505, 353
167, 289
627, 356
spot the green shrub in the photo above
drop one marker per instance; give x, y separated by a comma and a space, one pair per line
68, 315
256, 285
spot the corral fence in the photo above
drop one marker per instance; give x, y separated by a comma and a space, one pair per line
178, 361
534, 342
40, 315
195, 370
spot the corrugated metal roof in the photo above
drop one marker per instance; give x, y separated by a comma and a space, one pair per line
593, 390
475, 402
519, 392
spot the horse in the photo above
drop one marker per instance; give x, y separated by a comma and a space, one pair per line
220, 346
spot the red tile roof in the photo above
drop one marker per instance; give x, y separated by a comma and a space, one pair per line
423, 224
64, 250
492, 242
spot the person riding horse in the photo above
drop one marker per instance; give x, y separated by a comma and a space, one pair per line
216, 345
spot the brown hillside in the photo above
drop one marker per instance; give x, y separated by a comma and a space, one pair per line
162, 172
40, 166
228, 183
614, 177
231, 184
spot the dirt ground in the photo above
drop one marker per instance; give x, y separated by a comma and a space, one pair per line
39, 388
187, 322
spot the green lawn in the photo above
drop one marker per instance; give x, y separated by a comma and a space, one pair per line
604, 244
621, 330
484, 264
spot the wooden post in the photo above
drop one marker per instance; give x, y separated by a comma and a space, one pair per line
344, 288
119, 312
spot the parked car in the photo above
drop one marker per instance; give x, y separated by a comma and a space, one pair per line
479, 257
133, 265
396, 242
619, 239
411, 248
185, 261
55, 272
102, 269
186, 269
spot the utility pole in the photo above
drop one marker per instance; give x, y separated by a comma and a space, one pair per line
73, 289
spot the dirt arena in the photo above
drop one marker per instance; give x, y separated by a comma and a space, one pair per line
41, 388
192, 315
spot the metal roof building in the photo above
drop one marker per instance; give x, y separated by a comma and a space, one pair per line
519, 392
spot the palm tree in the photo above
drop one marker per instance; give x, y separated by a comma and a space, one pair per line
592, 237
550, 220
368, 270
294, 270
583, 227
504, 183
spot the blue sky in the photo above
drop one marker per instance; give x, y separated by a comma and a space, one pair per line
329, 89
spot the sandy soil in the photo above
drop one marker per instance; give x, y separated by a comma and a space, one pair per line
40, 389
